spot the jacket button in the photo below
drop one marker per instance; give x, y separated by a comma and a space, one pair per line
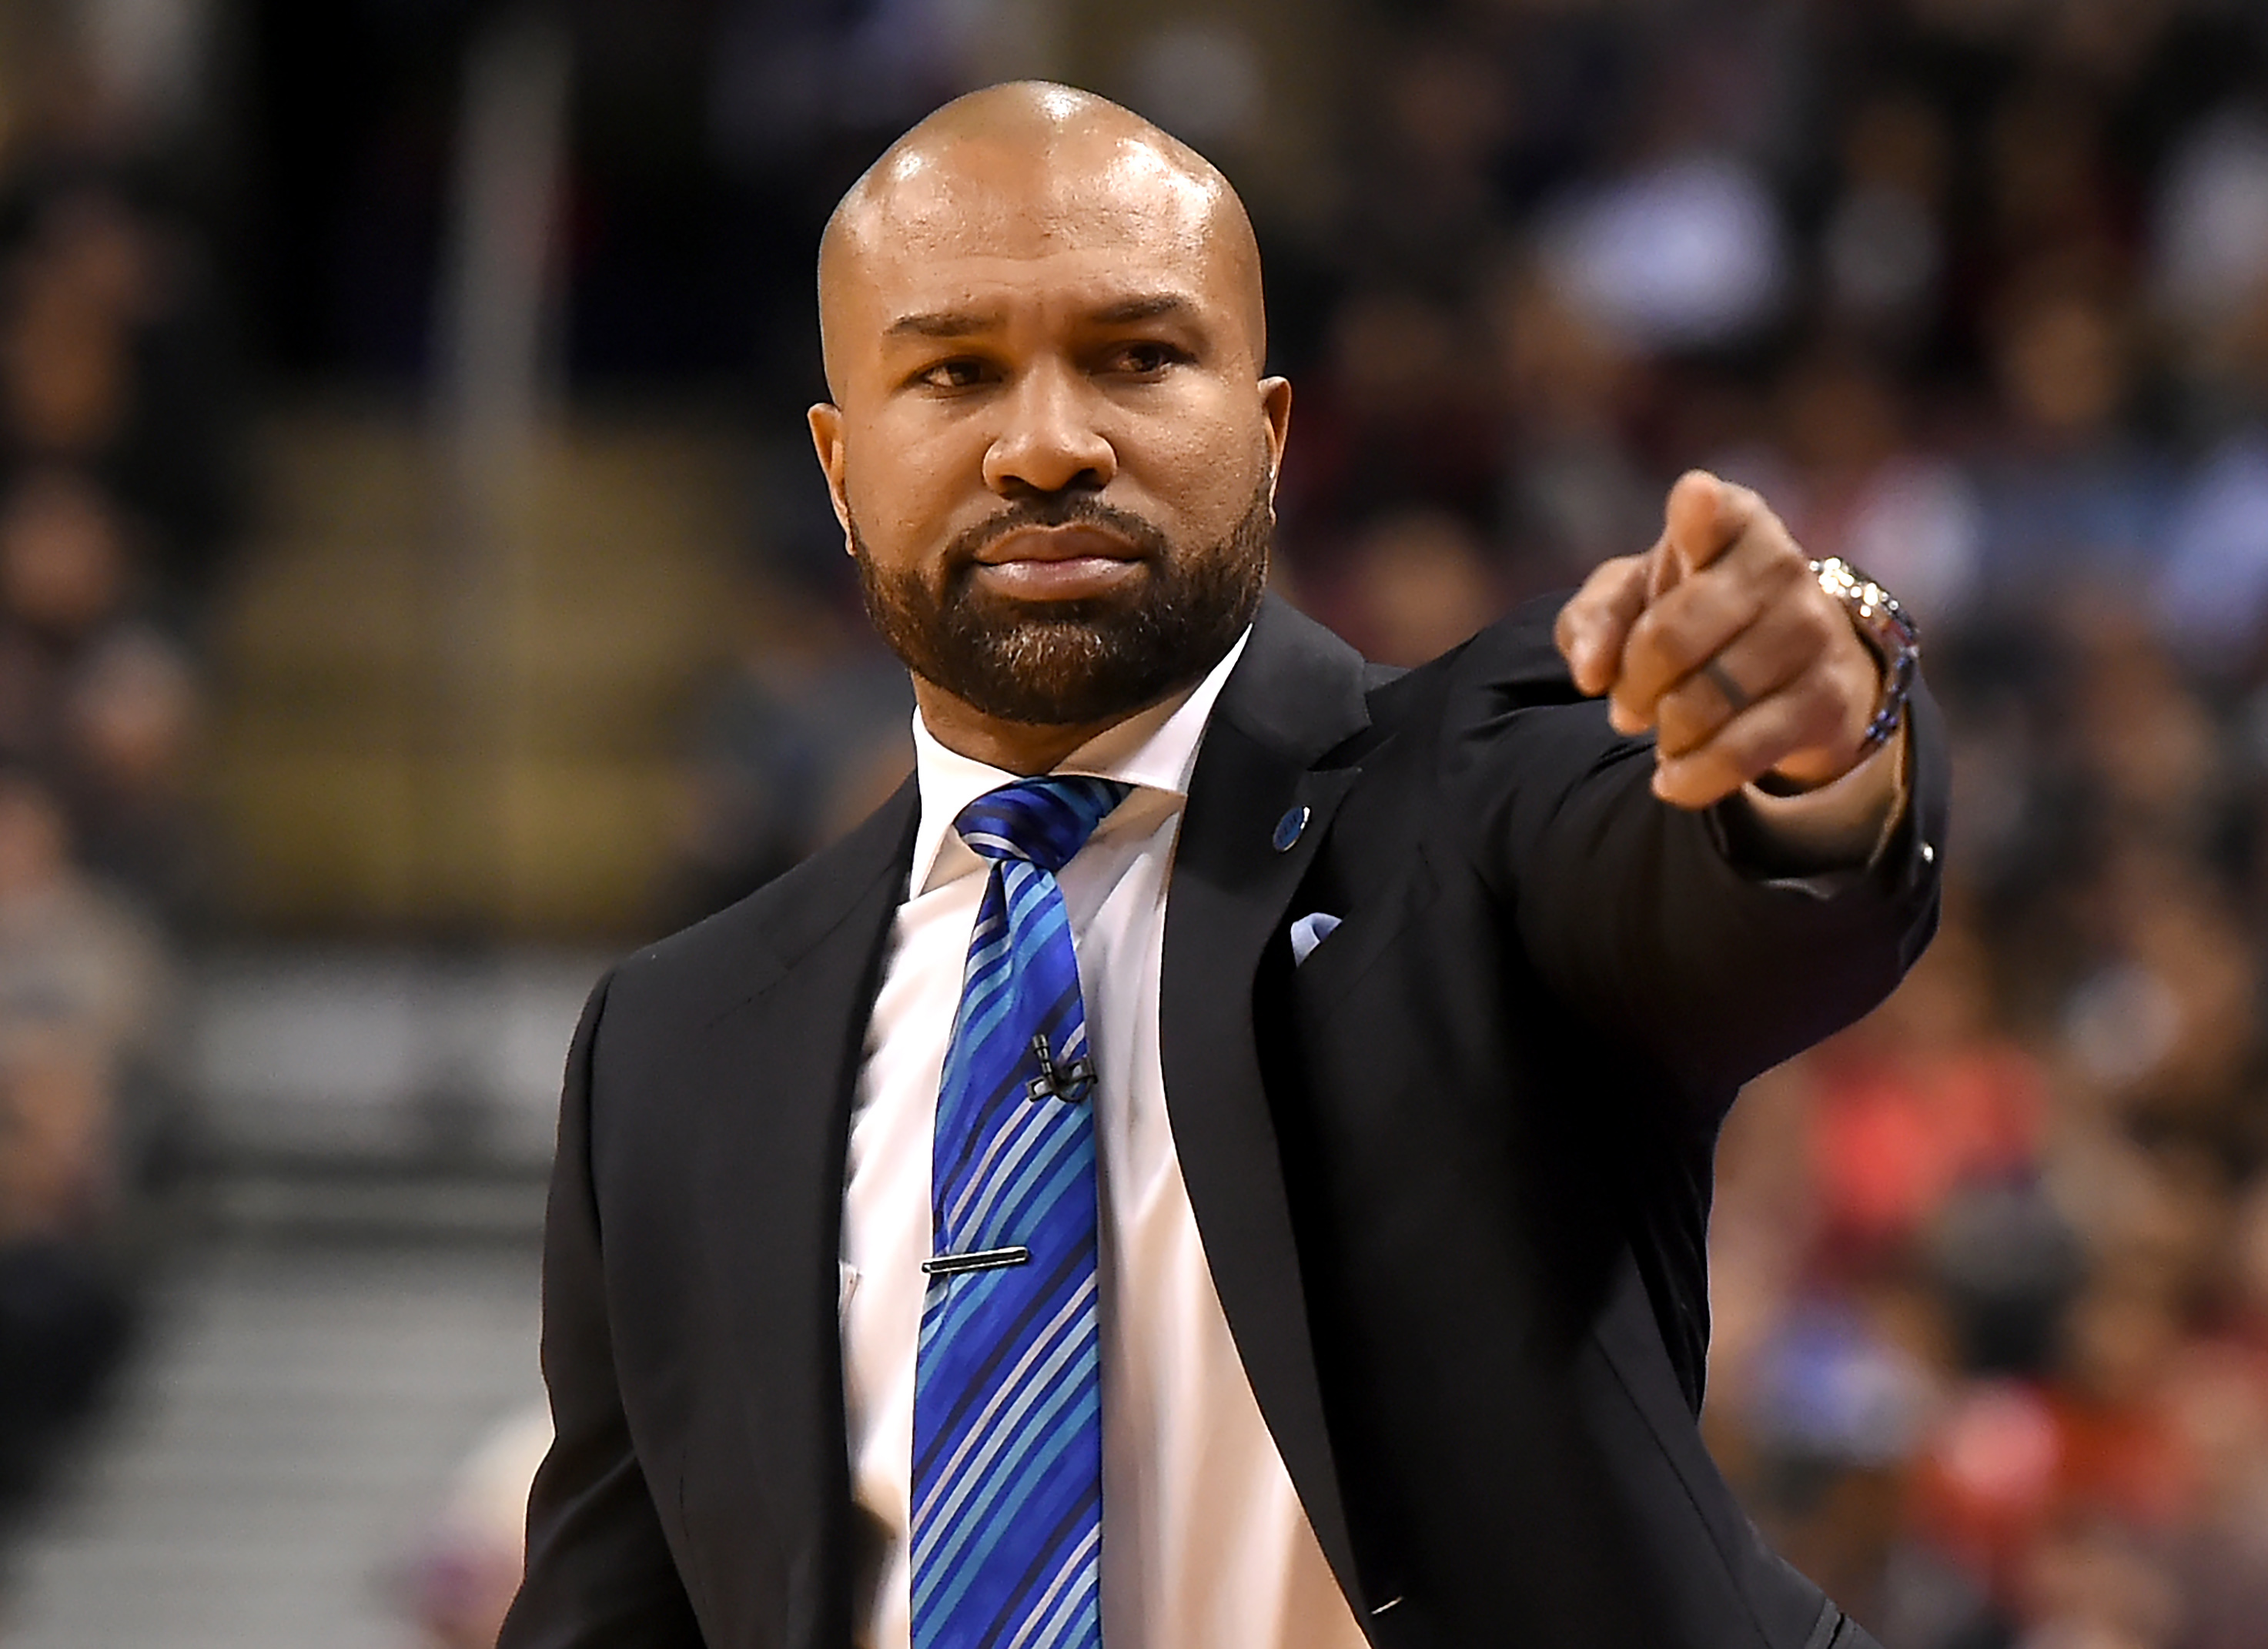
1289, 827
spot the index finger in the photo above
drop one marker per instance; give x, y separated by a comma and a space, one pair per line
1705, 516
1597, 620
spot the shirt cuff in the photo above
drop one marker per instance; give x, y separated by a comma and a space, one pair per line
1819, 841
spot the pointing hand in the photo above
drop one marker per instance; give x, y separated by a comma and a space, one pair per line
1720, 639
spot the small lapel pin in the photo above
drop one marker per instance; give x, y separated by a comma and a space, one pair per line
1289, 827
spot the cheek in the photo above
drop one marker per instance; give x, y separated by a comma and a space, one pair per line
1207, 466
904, 489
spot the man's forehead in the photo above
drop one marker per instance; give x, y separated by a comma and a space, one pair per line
1006, 200
1035, 190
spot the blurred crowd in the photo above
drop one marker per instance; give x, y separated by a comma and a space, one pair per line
1976, 291
113, 502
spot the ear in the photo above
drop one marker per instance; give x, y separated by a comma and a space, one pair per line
1275, 409
826, 420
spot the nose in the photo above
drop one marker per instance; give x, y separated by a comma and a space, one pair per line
1049, 441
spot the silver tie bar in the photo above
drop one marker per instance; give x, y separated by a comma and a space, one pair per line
977, 1260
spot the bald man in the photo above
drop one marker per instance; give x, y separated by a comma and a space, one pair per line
1222, 1157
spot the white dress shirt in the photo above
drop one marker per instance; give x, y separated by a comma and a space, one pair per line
1204, 1543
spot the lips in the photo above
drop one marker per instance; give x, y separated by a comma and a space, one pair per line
1057, 563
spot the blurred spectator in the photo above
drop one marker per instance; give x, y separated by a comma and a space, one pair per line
116, 491
1860, 489
129, 723
1418, 584
1923, 1100
64, 1307
461, 1579
2069, 490
1426, 203
72, 954
1403, 410
1690, 255
108, 362
63, 561
2212, 590
2211, 230
1575, 493
1883, 243
810, 731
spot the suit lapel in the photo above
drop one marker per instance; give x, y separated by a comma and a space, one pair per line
788, 1050
1295, 694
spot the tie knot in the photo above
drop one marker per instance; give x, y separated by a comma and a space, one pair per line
1045, 820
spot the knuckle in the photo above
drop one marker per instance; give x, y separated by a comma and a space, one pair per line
1821, 718
1683, 721
1644, 662
1744, 747
1670, 640
1689, 627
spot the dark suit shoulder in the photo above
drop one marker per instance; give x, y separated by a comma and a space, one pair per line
1513, 662
719, 962
1521, 651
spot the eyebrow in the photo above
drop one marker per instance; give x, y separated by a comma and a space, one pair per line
944, 323
962, 323
1148, 306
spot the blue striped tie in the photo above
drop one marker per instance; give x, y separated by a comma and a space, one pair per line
1007, 1477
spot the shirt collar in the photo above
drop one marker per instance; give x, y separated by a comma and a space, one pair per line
1155, 750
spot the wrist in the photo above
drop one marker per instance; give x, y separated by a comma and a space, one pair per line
1889, 642
1840, 823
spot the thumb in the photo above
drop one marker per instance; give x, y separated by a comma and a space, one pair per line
1704, 518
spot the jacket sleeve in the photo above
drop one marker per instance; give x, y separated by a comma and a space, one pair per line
1636, 915
599, 1570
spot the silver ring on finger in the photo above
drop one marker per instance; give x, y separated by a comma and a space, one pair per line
1736, 697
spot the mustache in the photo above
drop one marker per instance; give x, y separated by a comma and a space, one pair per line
1057, 509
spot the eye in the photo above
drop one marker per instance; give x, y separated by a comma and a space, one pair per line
961, 372
1145, 359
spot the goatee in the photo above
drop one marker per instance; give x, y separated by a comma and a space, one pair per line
1061, 664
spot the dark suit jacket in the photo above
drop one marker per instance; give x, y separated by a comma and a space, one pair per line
1451, 1173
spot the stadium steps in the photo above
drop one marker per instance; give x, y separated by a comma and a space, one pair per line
411, 739
279, 1449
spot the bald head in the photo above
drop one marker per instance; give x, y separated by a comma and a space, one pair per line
1027, 169
1049, 440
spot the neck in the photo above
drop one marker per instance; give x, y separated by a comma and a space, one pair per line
1014, 746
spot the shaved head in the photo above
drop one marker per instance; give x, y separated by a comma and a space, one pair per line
1032, 163
1049, 438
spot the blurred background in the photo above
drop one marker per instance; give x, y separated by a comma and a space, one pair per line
415, 587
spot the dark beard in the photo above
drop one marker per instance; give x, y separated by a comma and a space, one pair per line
1065, 664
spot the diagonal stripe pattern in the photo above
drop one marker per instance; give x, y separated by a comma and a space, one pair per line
1007, 1475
